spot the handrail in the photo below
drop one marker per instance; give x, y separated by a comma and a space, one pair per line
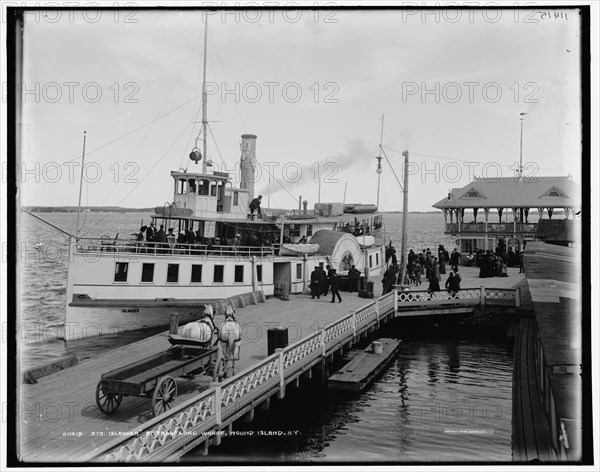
208, 410
168, 249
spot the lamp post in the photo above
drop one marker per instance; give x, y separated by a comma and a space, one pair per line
521, 148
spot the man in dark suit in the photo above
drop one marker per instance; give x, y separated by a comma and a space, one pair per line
353, 275
316, 281
255, 205
334, 286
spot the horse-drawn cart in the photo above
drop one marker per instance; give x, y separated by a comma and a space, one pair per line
154, 377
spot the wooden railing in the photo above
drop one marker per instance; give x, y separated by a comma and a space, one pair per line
128, 247
194, 421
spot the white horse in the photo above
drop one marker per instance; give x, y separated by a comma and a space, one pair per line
230, 337
202, 330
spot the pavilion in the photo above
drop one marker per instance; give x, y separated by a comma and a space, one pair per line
505, 204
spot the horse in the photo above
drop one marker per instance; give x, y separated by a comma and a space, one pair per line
230, 338
202, 330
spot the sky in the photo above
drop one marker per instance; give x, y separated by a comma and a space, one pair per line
312, 85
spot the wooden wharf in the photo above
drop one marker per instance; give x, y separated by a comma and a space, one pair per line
58, 420
547, 399
364, 368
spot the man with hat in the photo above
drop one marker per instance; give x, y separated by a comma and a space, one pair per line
334, 286
255, 205
316, 281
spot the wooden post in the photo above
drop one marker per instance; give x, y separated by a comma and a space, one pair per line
281, 393
518, 297
353, 326
218, 400
174, 323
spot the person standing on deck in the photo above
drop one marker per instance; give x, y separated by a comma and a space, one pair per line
315, 283
255, 205
521, 262
330, 273
454, 258
150, 236
324, 288
434, 283
161, 238
442, 259
335, 286
353, 275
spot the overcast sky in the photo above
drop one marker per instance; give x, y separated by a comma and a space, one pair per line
312, 86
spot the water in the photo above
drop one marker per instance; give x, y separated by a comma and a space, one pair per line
444, 399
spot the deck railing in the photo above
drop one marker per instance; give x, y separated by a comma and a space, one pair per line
194, 421
128, 247
491, 227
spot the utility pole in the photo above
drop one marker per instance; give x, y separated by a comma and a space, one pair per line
403, 257
521, 148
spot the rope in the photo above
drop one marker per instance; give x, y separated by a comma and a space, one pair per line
48, 223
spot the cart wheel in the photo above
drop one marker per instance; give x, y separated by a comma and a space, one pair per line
105, 401
164, 394
220, 370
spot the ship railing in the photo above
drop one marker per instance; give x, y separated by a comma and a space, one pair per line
128, 247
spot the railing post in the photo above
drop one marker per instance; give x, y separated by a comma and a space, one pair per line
518, 297
281, 393
218, 401
482, 295
353, 325
395, 301
377, 310
323, 341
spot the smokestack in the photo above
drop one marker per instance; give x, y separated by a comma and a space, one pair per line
305, 203
300, 203
248, 164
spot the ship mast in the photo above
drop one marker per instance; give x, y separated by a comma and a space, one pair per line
204, 101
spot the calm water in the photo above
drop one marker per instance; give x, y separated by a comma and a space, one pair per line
444, 399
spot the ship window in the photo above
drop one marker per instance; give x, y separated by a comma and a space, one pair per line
213, 189
196, 273
239, 273
172, 272
259, 273
298, 271
121, 271
377, 259
147, 272
235, 198
309, 230
181, 186
192, 186
218, 276
371, 261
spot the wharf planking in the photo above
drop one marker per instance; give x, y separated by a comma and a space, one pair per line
363, 369
531, 437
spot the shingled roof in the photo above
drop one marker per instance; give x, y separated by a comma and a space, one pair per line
509, 192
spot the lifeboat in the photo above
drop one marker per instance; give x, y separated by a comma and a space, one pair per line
298, 249
359, 208
365, 241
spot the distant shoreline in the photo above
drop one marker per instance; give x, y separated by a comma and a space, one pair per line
115, 209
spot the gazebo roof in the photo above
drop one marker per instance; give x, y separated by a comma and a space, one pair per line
510, 192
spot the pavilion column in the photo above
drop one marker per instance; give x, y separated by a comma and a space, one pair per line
445, 215
475, 215
550, 211
526, 215
500, 215
486, 212
567, 212
541, 213
515, 217
520, 215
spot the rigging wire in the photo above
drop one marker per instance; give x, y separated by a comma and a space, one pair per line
144, 177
